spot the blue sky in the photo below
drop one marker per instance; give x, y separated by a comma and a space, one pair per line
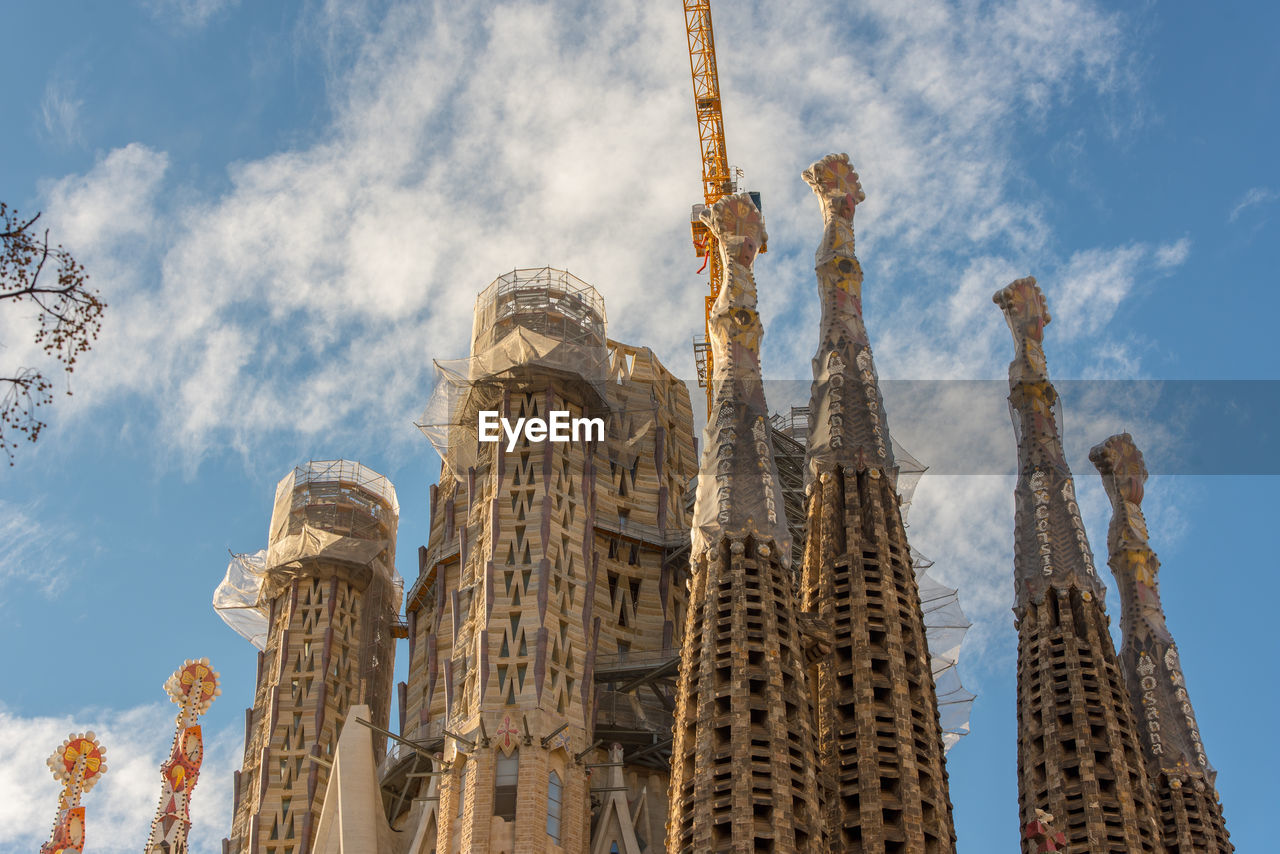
290, 208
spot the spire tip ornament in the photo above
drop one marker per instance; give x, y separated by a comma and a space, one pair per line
193, 687
78, 764
738, 491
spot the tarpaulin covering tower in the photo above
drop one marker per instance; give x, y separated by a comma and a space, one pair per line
326, 596
542, 622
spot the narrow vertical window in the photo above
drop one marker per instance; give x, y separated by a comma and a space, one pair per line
504, 786
554, 796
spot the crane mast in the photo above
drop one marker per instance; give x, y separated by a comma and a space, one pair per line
717, 180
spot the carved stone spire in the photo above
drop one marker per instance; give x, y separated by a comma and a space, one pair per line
743, 775
1183, 778
1050, 546
847, 424
1078, 743
875, 686
738, 491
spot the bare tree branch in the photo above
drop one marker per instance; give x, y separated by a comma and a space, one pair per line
69, 318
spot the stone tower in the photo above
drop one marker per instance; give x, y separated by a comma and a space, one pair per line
552, 577
1078, 747
330, 593
743, 776
879, 737
1189, 811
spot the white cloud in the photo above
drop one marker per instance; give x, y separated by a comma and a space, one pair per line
110, 220
1254, 197
191, 14
113, 202
966, 525
308, 299
1172, 254
121, 806
60, 113
1084, 295
31, 549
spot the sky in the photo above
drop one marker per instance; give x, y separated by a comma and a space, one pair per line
290, 207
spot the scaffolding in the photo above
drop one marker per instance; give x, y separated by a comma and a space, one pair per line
629, 715
794, 425
945, 625
788, 455
337, 510
544, 300
339, 496
530, 324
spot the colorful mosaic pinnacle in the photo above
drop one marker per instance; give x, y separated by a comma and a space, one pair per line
77, 764
193, 686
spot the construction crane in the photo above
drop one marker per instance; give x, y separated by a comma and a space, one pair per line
717, 177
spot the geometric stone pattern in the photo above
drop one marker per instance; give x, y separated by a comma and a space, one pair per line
542, 561
1190, 813
879, 736
743, 770
328, 648
743, 776
1079, 757
1077, 750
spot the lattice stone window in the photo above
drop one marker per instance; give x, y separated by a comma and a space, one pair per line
504, 786
555, 792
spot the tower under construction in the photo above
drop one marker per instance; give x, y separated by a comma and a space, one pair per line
880, 747
543, 621
322, 602
1078, 749
1186, 799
